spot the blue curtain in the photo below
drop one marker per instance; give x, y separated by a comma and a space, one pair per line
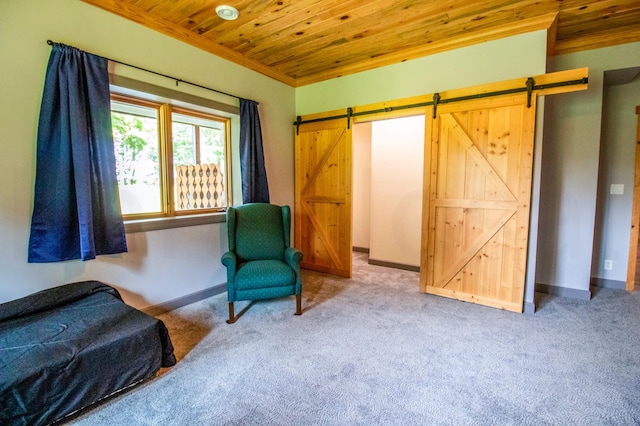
255, 188
76, 212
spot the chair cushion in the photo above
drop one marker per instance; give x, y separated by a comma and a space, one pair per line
259, 232
264, 273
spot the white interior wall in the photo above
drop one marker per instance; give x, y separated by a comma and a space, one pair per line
397, 157
160, 266
617, 166
570, 162
361, 185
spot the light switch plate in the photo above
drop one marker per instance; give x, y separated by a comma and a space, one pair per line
617, 189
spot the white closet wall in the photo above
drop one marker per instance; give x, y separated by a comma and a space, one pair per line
397, 156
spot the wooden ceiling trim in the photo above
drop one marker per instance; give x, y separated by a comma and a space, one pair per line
595, 23
576, 11
134, 13
612, 37
552, 33
545, 22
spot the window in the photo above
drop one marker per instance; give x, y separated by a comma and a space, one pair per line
170, 161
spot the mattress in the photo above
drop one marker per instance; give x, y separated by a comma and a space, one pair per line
66, 348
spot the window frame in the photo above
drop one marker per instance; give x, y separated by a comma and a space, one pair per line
227, 160
158, 220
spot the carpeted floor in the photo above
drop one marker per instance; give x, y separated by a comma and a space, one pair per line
372, 350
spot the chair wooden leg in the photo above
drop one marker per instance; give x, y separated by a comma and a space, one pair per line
232, 317
298, 304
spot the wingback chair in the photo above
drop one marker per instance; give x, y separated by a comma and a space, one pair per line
260, 262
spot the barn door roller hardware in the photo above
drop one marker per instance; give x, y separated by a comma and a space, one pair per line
298, 123
529, 88
436, 100
530, 84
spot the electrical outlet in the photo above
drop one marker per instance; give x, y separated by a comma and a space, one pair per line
608, 264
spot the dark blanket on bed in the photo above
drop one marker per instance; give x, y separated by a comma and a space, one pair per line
65, 348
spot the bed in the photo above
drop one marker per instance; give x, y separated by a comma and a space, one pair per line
65, 348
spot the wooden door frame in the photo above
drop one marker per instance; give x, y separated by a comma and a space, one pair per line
635, 217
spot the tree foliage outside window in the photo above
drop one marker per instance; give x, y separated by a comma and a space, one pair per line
197, 141
213, 145
136, 150
184, 148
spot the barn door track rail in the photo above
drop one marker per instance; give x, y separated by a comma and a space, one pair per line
552, 83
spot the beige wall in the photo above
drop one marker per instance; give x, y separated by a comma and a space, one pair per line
397, 153
160, 266
387, 189
361, 185
617, 166
514, 57
570, 166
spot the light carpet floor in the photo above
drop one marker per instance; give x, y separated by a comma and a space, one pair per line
373, 350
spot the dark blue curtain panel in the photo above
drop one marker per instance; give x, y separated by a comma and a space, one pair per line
255, 188
76, 212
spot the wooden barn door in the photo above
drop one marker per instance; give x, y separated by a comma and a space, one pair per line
323, 196
478, 168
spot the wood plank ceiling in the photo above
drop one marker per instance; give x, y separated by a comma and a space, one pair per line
300, 42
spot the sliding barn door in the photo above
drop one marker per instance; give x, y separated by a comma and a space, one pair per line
478, 168
323, 196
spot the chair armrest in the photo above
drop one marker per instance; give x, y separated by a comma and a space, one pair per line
229, 260
293, 257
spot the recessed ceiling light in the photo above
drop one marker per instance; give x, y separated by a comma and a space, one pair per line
227, 12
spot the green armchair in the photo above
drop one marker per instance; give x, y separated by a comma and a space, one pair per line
260, 262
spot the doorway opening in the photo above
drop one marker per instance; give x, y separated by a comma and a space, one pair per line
615, 243
388, 164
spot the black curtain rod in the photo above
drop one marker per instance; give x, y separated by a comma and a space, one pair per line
177, 80
529, 88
